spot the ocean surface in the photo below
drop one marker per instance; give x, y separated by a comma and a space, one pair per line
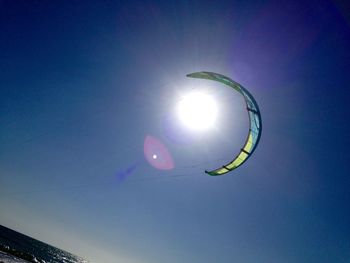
18, 248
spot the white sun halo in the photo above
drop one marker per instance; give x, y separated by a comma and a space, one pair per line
197, 111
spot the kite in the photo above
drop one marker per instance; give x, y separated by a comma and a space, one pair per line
254, 121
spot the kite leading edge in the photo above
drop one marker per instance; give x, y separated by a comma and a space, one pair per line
254, 121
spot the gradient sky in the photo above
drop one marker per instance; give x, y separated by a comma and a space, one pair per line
82, 83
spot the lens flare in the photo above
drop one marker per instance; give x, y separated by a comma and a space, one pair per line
157, 154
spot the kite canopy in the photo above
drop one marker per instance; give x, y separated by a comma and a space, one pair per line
254, 120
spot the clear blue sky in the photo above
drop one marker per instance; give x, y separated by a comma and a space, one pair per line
82, 83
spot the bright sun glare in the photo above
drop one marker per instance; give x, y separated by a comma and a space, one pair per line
197, 111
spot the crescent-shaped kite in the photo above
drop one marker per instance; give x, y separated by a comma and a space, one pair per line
254, 120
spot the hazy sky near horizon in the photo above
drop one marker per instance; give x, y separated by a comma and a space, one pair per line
82, 83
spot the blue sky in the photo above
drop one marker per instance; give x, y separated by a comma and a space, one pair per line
84, 82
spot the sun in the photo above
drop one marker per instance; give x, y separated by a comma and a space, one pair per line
197, 111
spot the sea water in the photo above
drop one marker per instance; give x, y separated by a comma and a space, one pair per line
18, 248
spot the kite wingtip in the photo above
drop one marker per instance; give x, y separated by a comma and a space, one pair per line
200, 75
208, 172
